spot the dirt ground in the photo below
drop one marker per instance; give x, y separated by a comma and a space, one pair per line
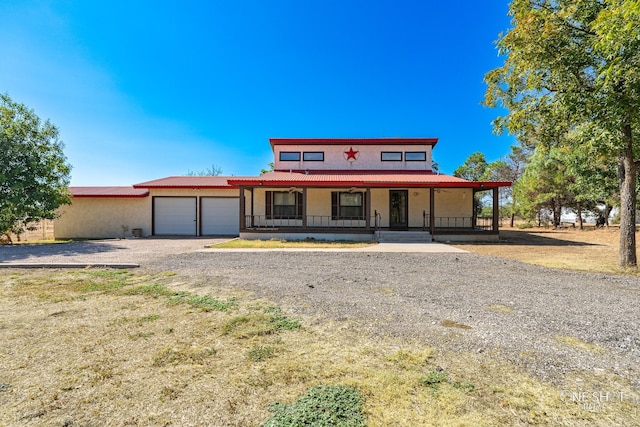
591, 249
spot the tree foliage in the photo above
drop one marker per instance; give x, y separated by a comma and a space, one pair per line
473, 168
34, 173
545, 185
571, 77
212, 171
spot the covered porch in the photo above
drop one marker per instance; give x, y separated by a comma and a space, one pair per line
313, 208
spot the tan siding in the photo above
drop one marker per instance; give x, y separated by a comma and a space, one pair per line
454, 203
103, 217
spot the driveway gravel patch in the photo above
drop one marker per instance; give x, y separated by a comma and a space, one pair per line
550, 322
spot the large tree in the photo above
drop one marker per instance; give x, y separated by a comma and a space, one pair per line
34, 173
510, 168
473, 168
572, 65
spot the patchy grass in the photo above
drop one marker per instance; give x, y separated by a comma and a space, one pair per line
283, 244
592, 250
578, 343
499, 308
122, 352
453, 324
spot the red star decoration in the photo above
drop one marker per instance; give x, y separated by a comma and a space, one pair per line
351, 154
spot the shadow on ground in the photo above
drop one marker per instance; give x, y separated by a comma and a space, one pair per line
525, 238
21, 252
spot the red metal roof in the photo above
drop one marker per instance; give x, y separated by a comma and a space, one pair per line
286, 179
187, 182
108, 192
353, 141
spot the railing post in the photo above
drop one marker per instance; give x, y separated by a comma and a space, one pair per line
432, 210
367, 203
304, 207
496, 209
242, 219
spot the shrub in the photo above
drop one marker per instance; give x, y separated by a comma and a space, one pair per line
321, 406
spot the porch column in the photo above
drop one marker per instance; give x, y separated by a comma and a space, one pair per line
367, 203
432, 210
252, 205
242, 210
304, 207
496, 209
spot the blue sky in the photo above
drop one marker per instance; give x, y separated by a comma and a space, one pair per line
147, 89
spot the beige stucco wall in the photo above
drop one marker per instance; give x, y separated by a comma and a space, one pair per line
454, 203
367, 158
449, 202
103, 217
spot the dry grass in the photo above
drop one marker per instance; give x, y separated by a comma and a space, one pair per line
283, 244
114, 348
593, 250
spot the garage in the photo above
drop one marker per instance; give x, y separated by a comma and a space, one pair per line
219, 216
174, 216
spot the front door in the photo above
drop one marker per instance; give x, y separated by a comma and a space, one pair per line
398, 209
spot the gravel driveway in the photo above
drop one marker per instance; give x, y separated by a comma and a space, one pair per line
490, 304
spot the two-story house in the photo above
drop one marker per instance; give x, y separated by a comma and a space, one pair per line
347, 189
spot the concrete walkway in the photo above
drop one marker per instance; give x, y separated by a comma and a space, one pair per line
380, 247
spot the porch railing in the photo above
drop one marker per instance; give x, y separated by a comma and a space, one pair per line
457, 222
312, 221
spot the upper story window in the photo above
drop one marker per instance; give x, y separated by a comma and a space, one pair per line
391, 156
415, 156
289, 156
313, 156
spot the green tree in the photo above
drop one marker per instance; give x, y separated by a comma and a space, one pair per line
569, 63
545, 185
510, 168
271, 167
34, 173
212, 171
473, 168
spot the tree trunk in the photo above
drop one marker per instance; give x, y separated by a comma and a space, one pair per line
580, 225
628, 176
557, 212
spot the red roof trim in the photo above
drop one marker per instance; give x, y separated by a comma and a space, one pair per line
175, 182
107, 192
394, 184
358, 172
367, 181
354, 141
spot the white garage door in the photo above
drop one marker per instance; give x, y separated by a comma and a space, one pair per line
175, 216
220, 215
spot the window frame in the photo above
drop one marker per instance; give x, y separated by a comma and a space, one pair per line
397, 153
270, 205
289, 152
408, 159
337, 206
304, 155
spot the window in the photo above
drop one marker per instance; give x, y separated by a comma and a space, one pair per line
415, 156
313, 156
347, 205
289, 156
283, 205
391, 156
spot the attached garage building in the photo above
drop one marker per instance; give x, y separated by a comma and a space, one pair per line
173, 206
